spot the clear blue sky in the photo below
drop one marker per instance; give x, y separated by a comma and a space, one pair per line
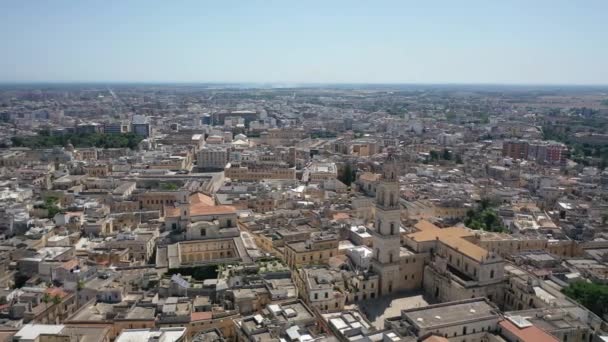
451, 41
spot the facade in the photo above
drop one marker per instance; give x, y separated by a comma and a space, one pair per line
516, 149
320, 288
213, 158
317, 250
141, 126
258, 173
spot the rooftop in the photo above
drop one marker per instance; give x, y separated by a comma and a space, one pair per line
451, 313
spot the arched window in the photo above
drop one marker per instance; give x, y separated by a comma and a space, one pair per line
392, 228
492, 274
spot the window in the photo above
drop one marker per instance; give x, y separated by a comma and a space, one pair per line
203, 232
326, 295
316, 296
492, 274
392, 228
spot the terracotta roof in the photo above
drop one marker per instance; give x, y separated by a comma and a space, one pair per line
56, 291
68, 265
465, 247
452, 237
423, 225
201, 316
341, 216
199, 198
370, 177
433, 234
527, 334
435, 338
201, 210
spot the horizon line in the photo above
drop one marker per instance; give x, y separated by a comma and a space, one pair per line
304, 84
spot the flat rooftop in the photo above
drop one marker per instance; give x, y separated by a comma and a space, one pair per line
450, 313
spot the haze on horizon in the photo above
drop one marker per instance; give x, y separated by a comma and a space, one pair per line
474, 41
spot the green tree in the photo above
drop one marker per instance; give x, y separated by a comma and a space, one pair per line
46, 299
348, 174
484, 218
446, 155
591, 295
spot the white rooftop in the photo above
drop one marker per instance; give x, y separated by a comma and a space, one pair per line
145, 335
32, 331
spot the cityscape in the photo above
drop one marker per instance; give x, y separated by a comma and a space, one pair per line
390, 171
336, 213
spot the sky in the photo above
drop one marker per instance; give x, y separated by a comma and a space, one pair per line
288, 42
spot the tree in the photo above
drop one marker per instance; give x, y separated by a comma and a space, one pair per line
447, 155
484, 218
168, 186
591, 295
56, 299
348, 174
46, 299
434, 155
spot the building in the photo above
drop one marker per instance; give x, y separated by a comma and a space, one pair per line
61, 333
461, 269
256, 173
516, 149
320, 288
176, 334
466, 320
140, 125
316, 250
399, 268
290, 321
320, 172
213, 157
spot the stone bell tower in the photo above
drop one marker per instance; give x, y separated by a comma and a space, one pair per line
387, 240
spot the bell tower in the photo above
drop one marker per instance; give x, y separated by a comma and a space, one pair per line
387, 239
